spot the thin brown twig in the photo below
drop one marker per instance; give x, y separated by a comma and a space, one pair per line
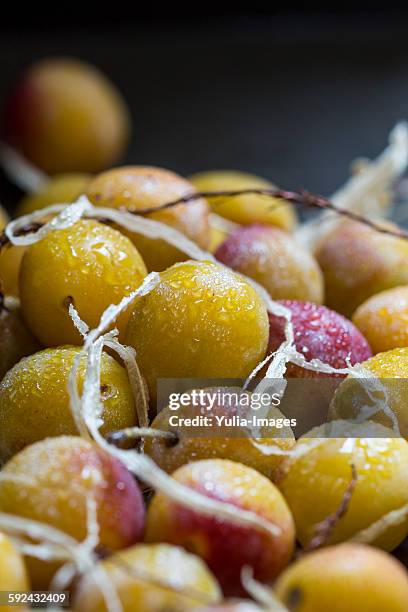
302, 198
324, 530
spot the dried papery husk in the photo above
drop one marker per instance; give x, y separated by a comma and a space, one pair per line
296, 452
221, 223
128, 356
377, 393
142, 432
375, 530
263, 595
364, 192
11, 302
63, 216
20, 171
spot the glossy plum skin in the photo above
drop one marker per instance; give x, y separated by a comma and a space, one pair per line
16, 340
320, 333
10, 262
358, 262
383, 319
391, 368
200, 321
347, 577
3, 218
314, 483
55, 477
248, 447
226, 547
66, 116
272, 258
170, 579
145, 187
35, 404
13, 574
247, 208
10, 259
89, 264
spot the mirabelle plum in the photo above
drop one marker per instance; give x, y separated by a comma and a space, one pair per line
234, 605
3, 218
383, 319
151, 578
345, 578
220, 229
320, 333
358, 262
10, 263
34, 400
16, 340
354, 395
244, 445
13, 574
224, 546
66, 116
50, 481
60, 189
272, 258
245, 209
88, 264
201, 320
315, 482
140, 187
10, 258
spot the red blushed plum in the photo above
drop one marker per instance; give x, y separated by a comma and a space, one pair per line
320, 333
275, 260
51, 481
227, 547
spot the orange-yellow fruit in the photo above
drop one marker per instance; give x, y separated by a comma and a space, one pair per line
246, 445
383, 319
65, 116
345, 578
10, 258
220, 229
60, 189
89, 264
34, 400
3, 218
232, 605
358, 262
10, 263
248, 208
272, 258
141, 187
200, 321
314, 482
225, 546
16, 340
151, 578
13, 575
355, 395
51, 481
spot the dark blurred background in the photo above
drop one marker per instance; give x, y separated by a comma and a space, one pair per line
290, 94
